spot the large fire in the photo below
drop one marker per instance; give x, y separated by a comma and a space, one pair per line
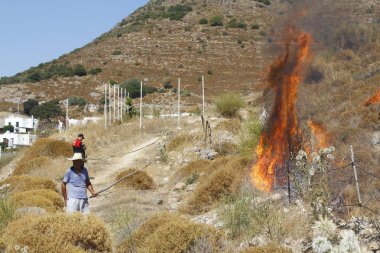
373, 100
321, 138
279, 138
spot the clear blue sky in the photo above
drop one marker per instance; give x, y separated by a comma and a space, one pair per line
36, 31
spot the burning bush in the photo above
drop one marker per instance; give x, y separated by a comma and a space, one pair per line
229, 104
65, 233
140, 180
169, 232
49, 200
223, 181
25, 183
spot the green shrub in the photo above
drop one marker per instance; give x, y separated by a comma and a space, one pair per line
28, 105
7, 210
168, 84
116, 52
77, 101
203, 21
47, 110
249, 136
234, 23
95, 71
177, 12
133, 87
9, 128
266, 2
79, 70
131, 110
216, 21
255, 26
229, 104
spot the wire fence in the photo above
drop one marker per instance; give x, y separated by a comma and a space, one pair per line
346, 190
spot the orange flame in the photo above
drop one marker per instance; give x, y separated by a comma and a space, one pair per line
373, 100
321, 136
284, 77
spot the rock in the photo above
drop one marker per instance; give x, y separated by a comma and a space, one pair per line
191, 187
33, 210
179, 186
208, 154
374, 246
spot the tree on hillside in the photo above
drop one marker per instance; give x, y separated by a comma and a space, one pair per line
28, 105
47, 110
133, 87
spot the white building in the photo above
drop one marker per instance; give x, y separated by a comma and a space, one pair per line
23, 126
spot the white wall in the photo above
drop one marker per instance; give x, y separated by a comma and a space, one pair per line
23, 123
18, 139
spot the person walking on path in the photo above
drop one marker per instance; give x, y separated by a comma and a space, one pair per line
79, 146
77, 180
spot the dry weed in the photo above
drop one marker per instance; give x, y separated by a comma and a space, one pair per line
223, 181
58, 233
231, 125
139, 181
198, 166
25, 183
269, 248
49, 200
169, 232
179, 142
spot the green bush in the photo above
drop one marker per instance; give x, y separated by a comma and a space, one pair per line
28, 105
9, 128
177, 12
228, 105
77, 101
79, 70
249, 136
133, 87
234, 23
95, 71
131, 110
266, 2
47, 110
255, 26
203, 21
168, 84
116, 52
216, 21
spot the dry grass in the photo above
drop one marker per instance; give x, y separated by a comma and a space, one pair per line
25, 183
225, 180
49, 200
58, 233
231, 125
169, 232
226, 148
269, 248
138, 181
198, 166
179, 142
40, 155
6, 159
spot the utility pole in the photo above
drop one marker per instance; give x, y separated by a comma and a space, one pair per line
356, 175
67, 114
114, 103
121, 104
203, 95
141, 95
179, 103
109, 105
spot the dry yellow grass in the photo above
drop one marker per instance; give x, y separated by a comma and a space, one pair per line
270, 248
40, 155
170, 232
225, 180
179, 142
25, 183
197, 166
50, 200
232, 125
139, 181
58, 233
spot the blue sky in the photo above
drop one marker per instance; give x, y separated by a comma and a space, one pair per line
36, 31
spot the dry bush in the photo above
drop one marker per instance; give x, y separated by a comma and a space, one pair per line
169, 232
226, 148
58, 233
231, 125
40, 154
25, 183
269, 248
225, 180
49, 200
139, 180
7, 209
198, 166
179, 142
55, 169
7, 159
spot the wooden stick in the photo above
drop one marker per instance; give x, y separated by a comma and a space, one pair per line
356, 175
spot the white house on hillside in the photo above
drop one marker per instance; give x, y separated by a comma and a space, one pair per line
23, 128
